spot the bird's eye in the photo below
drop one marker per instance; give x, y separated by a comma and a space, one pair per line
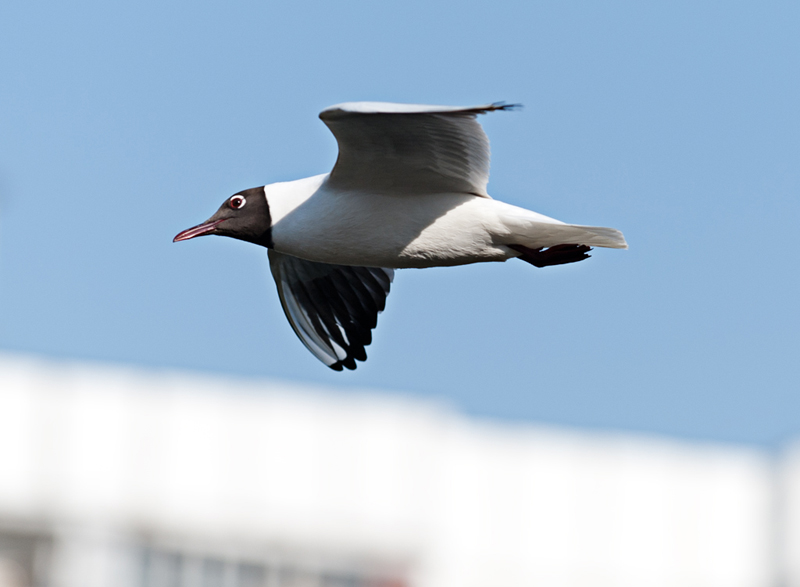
237, 202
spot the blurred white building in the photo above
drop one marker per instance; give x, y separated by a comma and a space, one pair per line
116, 478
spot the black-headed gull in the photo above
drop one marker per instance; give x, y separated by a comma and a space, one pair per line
408, 190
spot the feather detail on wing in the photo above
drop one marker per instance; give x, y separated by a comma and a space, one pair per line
409, 148
332, 308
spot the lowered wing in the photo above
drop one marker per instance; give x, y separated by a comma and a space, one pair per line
410, 148
332, 308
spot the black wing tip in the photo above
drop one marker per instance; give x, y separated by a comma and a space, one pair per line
502, 106
346, 363
493, 107
354, 353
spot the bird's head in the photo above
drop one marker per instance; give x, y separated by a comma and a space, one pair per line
245, 215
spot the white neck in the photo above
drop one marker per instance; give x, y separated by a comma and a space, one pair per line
284, 197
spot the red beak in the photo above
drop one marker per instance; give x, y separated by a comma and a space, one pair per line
199, 230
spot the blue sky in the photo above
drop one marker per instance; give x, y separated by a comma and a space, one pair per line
678, 123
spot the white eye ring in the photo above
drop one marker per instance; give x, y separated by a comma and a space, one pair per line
237, 202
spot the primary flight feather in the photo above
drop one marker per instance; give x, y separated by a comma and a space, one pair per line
408, 190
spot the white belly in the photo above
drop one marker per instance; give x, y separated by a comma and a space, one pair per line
351, 228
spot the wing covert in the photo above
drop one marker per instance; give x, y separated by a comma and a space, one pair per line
332, 308
410, 148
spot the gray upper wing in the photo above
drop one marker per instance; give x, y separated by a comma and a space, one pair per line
332, 308
410, 148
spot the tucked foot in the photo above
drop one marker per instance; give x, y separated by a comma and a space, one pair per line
556, 255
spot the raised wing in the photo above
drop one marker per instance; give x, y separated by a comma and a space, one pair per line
332, 308
410, 148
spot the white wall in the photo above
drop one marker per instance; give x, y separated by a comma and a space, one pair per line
409, 486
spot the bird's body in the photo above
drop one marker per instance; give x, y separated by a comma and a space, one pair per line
408, 191
312, 221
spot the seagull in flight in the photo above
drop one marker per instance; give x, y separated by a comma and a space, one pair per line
408, 190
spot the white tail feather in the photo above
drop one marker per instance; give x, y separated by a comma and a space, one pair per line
536, 234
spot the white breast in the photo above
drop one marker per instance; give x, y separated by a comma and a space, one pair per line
316, 223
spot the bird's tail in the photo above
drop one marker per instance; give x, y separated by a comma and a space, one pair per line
536, 232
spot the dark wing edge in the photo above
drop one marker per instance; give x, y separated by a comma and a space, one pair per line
332, 308
365, 108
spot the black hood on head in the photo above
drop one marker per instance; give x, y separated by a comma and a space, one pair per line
244, 216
